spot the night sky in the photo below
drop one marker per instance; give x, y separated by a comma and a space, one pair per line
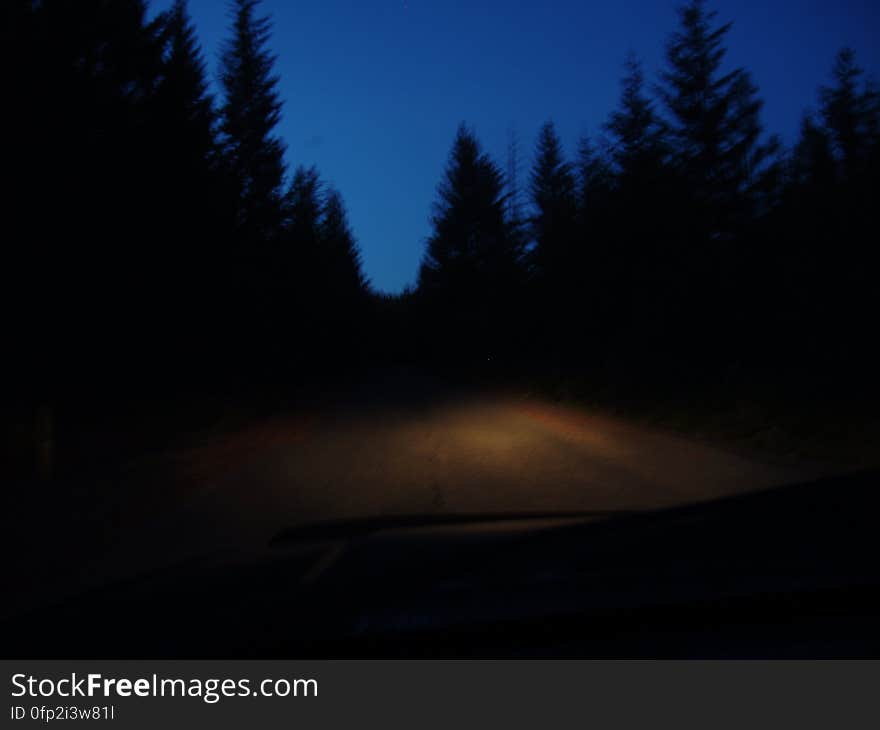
374, 89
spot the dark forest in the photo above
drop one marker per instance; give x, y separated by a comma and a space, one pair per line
156, 244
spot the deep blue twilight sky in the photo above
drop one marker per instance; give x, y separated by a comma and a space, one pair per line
374, 89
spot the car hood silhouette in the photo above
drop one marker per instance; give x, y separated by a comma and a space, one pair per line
786, 572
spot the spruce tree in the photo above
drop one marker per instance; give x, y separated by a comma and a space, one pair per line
250, 112
472, 268
851, 111
715, 126
191, 201
638, 240
638, 147
812, 164
184, 120
303, 207
554, 198
594, 180
186, 105
341, 251
851, 115
470, 246
301, 266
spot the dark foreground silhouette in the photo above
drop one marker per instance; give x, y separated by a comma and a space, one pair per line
784, 573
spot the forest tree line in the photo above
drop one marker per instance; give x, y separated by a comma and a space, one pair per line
156, 237
155, 234
682, 247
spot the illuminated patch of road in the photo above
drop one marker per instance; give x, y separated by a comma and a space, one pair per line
592, 432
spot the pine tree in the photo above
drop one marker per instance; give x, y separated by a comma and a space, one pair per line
638, 134
812, 162
638, 239
341, 251
184, 120
251, 110
319, 270
638, 210
192, 203
517, 218
472, 268
470, 245
828, 255
554, 197
715, 127
345, 288
302, 264
303, 207
594, 186
850, 112
186, 105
